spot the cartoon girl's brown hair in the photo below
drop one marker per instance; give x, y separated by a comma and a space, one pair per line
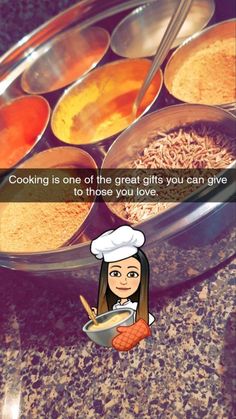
106, 298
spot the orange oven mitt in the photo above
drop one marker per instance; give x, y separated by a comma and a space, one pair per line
130, 336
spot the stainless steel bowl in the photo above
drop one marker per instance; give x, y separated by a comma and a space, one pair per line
140, 33
133, 140
95, 109
64, 59
60, 158
220, 31
104, 336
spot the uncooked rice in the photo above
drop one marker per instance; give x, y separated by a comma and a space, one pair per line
199, 146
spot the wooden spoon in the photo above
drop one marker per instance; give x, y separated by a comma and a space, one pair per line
88, 309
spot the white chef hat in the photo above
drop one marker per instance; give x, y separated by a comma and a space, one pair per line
114, 245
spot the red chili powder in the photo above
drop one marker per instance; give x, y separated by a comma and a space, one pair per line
21, 121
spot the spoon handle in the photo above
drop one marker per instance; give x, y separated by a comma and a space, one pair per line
169, 36
88, 309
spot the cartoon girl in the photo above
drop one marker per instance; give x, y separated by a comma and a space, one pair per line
124, 281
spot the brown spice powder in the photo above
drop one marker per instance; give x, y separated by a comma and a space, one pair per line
34, 227
208, 75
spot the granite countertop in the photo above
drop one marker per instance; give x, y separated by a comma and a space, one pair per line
20, 17
185, 370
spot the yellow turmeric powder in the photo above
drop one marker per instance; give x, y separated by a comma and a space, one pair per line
101, 105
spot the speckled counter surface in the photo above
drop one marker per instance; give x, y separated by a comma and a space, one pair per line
185, 370
20, 17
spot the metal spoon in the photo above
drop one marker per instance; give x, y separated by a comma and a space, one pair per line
88, 309
169, 36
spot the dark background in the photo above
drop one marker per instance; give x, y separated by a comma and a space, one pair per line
19, 17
